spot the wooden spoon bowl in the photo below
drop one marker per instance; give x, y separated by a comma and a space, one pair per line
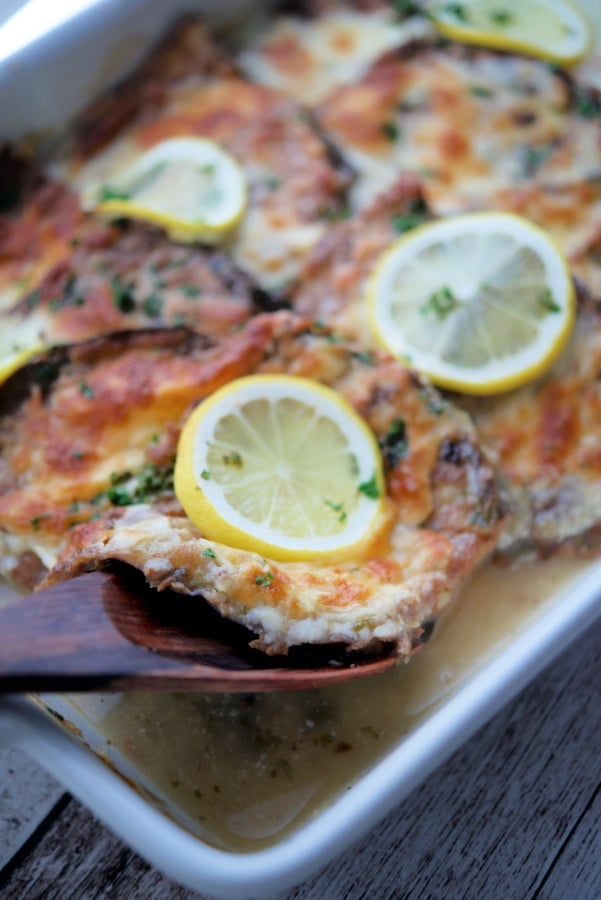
108, 631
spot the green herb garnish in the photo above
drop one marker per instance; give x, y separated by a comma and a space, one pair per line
153, 306
110, 193
501, 17
441, 302
370, 488
391, 131
232, 458
548, 302
337, 508
85, 389
123, 297
264, 580
394, 444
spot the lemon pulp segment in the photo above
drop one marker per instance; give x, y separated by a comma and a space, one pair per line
550, 29
481, 302
20, 340
189, 186
281, 465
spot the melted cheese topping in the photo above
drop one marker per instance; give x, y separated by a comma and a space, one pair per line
292, 182
471, 123
308, 59
82, 449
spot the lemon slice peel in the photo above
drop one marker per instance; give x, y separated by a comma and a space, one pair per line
20, 341
283, 466
190, 187
553, 30
480, 303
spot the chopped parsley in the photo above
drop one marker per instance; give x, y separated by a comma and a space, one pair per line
457, 10
335, 213
264, 580
441, 302
417, 214
153, 306
208, 552
370, 488
391, 131
337, 508
587, 104
479, 90
548, 302
119, 496
434, 402
232, 458
394, 444
32, 300
405, 8
123, 297
190, 290
146, 485
36, 521
365, 357
534, 157
85, 389
272, 182
110, 193
501, 17
205, 474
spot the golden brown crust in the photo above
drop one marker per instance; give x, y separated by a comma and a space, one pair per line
292, 181
66, 449
38, 219
546, 438
331, 283
186, 51
484, 130
133, 277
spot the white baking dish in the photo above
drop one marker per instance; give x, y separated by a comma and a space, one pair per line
124, 799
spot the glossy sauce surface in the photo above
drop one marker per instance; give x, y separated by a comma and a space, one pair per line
244, 770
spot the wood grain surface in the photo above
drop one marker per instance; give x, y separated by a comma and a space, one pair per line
107, 630
516, 813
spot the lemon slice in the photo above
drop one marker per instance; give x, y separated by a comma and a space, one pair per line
20, 340
283, 466
481, 303
550, 29
188, 186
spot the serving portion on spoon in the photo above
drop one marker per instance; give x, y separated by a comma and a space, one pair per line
106, 631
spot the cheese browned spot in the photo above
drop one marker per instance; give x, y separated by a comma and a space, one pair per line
308, 58
129, 278
292, 182
38, 219
332, 284
483, 130
63, 465
546, 438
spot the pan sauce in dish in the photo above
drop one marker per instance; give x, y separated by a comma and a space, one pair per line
240, 770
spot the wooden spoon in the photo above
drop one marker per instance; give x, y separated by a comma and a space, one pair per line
106, 631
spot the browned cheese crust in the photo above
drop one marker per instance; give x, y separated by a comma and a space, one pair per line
331, 286
546, 438
484, 131
133, 277
99, 440
292, 181
38, 219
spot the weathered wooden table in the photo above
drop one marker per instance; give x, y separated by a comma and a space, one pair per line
515, 814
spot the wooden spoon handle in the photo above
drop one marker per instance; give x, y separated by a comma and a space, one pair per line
104, 631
